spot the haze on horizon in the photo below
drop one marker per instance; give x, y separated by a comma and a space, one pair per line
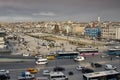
61, 10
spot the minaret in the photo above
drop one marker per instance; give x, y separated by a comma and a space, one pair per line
98, 19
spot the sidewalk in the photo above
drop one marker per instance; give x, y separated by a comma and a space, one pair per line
14, 60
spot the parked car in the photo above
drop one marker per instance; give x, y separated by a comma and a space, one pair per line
44, 44
58, 69
79, 58
46, 72
38, 56
79, 68
26, 54
96, 65
32, 70
87, 70
104, 55
110, 67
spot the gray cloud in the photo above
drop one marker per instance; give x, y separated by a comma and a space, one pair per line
61, 9
44, 14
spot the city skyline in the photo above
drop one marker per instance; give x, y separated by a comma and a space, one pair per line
59, 10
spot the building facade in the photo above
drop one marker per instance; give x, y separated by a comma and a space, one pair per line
93, 32
111, 32
79, 28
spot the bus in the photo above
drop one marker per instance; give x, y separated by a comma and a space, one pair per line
87, 51
113, 51
67, 54
103, 75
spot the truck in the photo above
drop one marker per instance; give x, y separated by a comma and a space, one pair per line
27, 76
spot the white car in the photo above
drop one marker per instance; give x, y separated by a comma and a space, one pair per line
26, 54
79, 58
79, 68
4, 71
104, 55
46, 72
110, 67
5, 74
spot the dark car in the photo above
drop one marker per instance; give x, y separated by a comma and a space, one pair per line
43, 44
70, 73
96, 65
58, 69
87, 70
4, 77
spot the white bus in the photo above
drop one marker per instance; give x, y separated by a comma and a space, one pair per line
87, 51
57, 76
42, 61
103, 75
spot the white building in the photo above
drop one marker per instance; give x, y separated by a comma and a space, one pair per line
111, 32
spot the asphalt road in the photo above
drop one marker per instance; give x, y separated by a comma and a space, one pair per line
69, 64
17, 67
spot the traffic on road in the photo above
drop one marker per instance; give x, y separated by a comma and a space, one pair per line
33, 59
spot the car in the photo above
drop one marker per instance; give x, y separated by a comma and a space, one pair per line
26, 54
87, 70
110, 67
50, 57
46, 72
4, 71
43, 44
4, 77
4, 74
96, 65
32, 70
42, 78
79, 68
58, 69
70, 73
104, 55
38, 56
79, 58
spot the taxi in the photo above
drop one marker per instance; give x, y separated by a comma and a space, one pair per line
50, 57
32, 70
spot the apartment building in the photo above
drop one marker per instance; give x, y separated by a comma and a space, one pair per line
93, 32
2, 42
111, 32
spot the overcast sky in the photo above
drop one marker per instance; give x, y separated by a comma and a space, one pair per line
62, 10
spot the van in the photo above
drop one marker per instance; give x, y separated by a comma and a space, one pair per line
57, 76
41, 61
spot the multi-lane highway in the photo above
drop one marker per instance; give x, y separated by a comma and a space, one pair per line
20, 63
69, 64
